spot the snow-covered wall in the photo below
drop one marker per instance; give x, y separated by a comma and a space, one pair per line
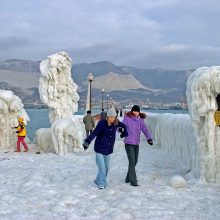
56, 87
174, 132
11, 108
203, 85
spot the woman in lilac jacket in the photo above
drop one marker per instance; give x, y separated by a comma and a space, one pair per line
134, 120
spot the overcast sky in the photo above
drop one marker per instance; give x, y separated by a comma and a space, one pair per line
170, 34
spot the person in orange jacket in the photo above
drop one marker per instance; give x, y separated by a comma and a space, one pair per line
21, 131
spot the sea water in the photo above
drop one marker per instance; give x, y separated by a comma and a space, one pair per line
39, 118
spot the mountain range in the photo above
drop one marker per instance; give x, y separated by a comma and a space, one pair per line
123, 84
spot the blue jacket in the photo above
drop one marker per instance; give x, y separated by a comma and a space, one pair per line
105, 136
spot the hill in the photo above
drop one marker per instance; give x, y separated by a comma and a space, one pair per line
123, 84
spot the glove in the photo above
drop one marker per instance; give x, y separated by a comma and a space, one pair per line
149, 141
85, 145
121, 130
122, 135
17, 132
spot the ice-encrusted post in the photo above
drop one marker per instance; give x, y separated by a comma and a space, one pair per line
56, 87
59, 92
203, 85
11, 108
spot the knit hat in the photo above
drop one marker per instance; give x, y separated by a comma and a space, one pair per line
135, 108
111, 113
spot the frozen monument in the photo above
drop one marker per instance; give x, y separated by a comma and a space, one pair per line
59, 92
56, 87
11, 108
203, 86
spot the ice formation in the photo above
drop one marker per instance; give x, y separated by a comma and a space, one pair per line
177, 182
11, 108
203, 85
193, 139
56, 87
67, 135
59, 92
43, 140
174, 133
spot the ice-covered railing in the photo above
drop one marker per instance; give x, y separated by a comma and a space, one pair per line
174, 133
193, 139
11, 108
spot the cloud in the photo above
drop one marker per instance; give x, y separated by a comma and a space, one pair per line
147, 34
11, 42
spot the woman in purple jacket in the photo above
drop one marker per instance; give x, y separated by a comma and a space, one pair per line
134, 121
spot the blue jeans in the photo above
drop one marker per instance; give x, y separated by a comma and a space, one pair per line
102, 162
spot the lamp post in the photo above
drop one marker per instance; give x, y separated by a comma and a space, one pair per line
110, 102
107, 101
90, 78
102, 97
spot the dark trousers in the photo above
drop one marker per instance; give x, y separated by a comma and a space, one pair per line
132, 153
88, 132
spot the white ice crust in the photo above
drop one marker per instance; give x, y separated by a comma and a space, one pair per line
193, 139
56, 87
174, 133
203, 86
177, 182
59, 92
11, 108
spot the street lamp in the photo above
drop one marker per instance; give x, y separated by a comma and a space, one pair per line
107, 101
110, 102
90, 78
102, 97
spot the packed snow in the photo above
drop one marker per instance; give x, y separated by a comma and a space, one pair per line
47, 186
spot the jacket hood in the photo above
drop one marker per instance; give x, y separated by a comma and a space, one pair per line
131, 115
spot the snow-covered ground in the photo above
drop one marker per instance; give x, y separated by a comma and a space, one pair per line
47, 186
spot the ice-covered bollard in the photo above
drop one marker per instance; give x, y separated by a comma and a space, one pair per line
177, 182
67, 135
43, 140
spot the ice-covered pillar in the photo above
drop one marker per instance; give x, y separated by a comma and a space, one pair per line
203, 85
56, 87
11, 108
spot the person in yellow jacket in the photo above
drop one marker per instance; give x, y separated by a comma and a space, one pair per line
217, 113
21, 131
